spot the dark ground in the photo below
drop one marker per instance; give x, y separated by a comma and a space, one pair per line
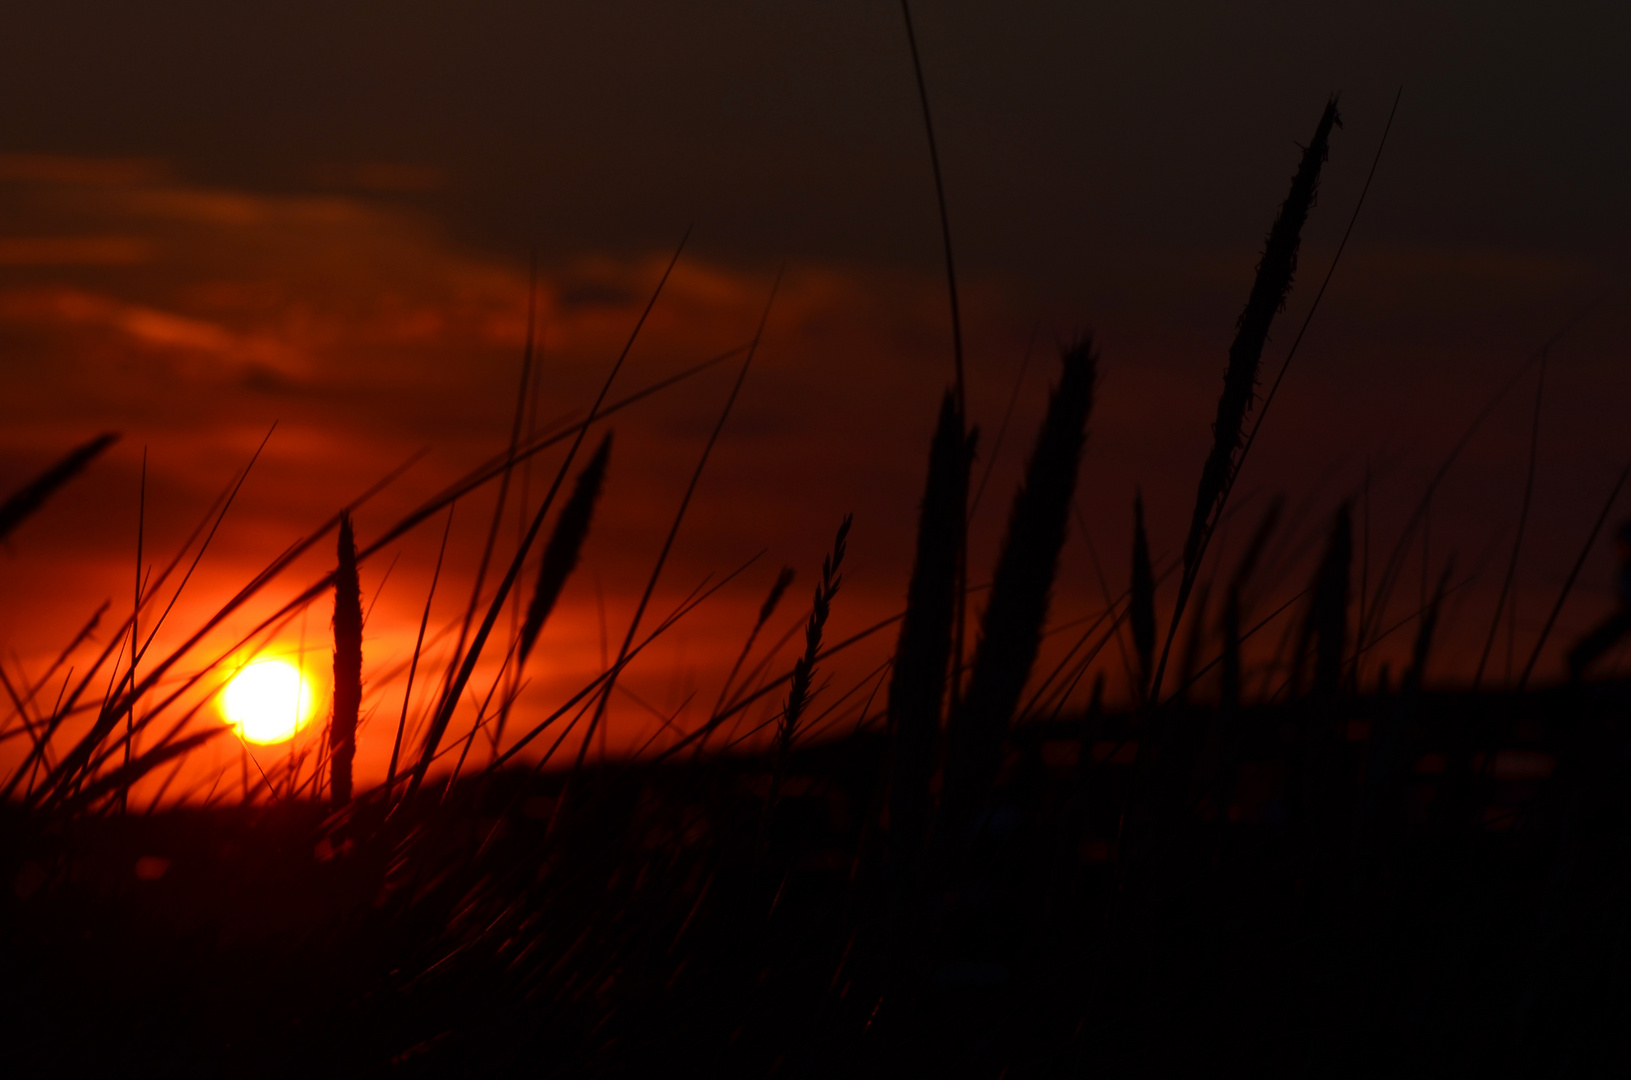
1385, 898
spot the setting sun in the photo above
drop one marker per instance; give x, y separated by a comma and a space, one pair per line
267, 701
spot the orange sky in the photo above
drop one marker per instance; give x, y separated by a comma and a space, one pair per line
191, 318
166, 278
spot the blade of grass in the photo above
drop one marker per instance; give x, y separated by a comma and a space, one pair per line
1574, 573
1523, 520
917, 684
342, 738
25, 501
560, 555
440, 721
777, 589
510, 462
418, 645
673, 530
1270, 288
135, 636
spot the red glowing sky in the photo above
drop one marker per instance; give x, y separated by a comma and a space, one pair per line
208, 225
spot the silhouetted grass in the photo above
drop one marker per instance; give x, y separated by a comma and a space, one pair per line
23, 502
917, 684
560, 556
1021, 587
1332, 876
1327, 623
1141, 616
800, 689
1270, 288
342, 736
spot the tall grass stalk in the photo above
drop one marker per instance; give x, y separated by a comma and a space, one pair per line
945, 217
1141, 614
509, 466
1375, 610
1415, 676
1327, 624
960, 593
778, 589
1104, 589
342, 738
1021, 588
1523, 521
1196, 640
135, 633
472, 481
560, 555
455, 691
1230, 658
798, 693
917, 684
604, 702
1002, 428
591, 693
1275, 271
23, 502
1574, 574
1319, 295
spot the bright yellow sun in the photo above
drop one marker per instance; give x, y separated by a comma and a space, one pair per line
267, 701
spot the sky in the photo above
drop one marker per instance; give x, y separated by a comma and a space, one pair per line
215, 218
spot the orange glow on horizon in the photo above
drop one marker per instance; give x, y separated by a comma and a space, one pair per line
268, 701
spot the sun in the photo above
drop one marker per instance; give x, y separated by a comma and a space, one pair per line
267, 701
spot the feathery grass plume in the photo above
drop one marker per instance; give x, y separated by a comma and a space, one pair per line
1268, 297
1270, 287
565, 543
32, 495
1141, 614
917, 686
1021, 587
798, 695
342, 736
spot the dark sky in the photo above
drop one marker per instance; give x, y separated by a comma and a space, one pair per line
214, 216
790, 130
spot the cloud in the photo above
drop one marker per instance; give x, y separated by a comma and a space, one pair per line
74, 251
94, 171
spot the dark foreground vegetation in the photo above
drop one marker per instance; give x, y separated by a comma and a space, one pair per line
1320, 870
1442, 906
